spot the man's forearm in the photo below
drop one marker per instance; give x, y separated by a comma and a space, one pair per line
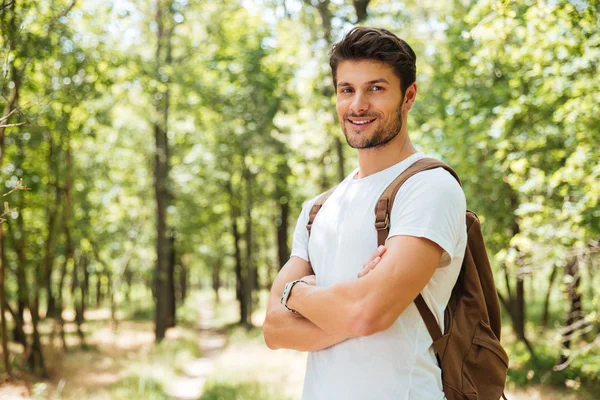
372, 303
285, 330
334, 309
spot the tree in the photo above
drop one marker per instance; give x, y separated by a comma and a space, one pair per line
165, 298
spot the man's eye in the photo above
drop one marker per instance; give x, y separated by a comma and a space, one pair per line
376, 88
346, 90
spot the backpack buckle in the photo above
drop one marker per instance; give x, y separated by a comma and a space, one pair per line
383, 225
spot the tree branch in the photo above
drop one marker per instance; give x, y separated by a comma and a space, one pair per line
11, 125
64, 13
10, 3
360, 6
7, 116
503, 301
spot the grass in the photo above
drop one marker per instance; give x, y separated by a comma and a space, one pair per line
126, 364
248, 366
121, 363
137, 387
241, 391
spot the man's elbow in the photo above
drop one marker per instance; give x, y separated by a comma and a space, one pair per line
269, 335
270, 342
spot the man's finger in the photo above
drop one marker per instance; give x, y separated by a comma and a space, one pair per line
368, 267
378, 253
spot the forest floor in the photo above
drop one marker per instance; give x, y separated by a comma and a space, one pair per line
211, 359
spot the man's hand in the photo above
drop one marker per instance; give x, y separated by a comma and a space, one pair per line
372, 261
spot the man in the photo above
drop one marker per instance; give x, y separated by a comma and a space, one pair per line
365, 335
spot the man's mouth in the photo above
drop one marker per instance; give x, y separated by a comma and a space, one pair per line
362, 121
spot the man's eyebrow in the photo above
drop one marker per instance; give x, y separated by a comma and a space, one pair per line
380, 80
374, 81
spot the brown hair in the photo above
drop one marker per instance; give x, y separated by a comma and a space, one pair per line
362, 43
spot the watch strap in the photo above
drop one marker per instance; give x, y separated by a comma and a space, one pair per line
287, 290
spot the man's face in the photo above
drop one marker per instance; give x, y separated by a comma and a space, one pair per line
368, 103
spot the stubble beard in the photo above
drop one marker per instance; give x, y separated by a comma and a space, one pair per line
382, 136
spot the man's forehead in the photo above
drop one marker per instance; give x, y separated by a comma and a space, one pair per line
357, 72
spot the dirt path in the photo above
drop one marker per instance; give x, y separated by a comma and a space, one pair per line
190, 384
118, 355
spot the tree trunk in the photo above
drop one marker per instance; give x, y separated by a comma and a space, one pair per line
283, 250
52, 211
239, 278
9, 107
326, 17
574, 315
282, 199
59, 303
22, 286
85, 289
18, 241
339, 149
36, 357
324, 179
519, 308
216, 279
18, 330
249, 278
516, 302
3, 328
547, 299
28, 294
161, 172
79, 296
69, 251
111, 289
183, 281
98, 289
128, 276
170, 296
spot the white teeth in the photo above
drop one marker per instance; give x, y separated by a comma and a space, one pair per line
362, 122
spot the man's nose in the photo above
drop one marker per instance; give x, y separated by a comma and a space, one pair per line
360, 103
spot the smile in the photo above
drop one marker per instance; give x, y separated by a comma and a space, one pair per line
361, 121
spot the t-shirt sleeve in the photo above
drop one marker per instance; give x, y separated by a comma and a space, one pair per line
300, 241
431, 205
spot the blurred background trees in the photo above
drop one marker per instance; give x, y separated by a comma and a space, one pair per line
168, 146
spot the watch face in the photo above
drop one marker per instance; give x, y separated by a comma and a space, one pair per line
284, 294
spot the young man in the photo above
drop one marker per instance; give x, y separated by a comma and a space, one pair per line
365, 335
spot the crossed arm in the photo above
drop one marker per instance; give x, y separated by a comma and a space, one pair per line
284, 329
362, 307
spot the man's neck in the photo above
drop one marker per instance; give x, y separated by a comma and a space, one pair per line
371, 161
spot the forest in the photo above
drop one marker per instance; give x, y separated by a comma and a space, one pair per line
155, 156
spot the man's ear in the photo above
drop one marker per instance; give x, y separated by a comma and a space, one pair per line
409, 96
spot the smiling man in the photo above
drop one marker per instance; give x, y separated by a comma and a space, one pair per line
340, 297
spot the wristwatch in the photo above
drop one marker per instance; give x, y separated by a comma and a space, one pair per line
285, 295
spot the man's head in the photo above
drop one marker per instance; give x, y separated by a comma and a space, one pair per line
374, 77
375, 44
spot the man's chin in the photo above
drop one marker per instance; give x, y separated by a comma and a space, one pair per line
356, 140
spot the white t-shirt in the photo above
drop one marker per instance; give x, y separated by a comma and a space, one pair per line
399, 362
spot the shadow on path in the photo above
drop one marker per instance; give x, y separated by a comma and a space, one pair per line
189, 384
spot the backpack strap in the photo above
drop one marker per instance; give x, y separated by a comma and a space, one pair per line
317, 207
383, 210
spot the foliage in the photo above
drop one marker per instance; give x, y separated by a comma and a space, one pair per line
507, 96
240, 391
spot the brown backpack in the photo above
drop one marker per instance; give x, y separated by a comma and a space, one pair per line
473, 363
